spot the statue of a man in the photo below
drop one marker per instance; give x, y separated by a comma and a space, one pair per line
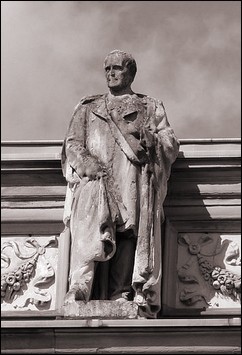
116, 158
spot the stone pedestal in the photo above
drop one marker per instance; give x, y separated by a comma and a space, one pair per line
101, 309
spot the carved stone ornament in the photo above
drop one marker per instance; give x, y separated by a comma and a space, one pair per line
210, 271
27, 274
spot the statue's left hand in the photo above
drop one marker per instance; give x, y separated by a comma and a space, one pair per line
147, 138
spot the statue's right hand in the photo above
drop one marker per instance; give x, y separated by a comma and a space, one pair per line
95, 171
102, 173
91, 168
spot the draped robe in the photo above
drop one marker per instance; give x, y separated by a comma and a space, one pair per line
134, 143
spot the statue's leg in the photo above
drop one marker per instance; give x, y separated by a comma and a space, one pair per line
121, 268
81, 281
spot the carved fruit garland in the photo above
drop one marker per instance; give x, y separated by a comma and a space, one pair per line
13, 282
222, 280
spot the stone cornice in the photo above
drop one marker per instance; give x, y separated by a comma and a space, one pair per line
205, 181
189, 148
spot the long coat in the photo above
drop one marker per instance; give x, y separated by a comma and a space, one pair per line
136, 146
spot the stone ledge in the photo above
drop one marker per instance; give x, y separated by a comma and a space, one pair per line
136, 350
122, 323
109, 340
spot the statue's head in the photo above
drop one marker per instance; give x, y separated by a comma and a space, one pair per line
120, 69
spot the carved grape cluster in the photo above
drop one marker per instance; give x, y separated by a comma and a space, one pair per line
205, 267
15, 280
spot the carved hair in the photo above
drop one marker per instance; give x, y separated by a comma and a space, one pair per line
129, 61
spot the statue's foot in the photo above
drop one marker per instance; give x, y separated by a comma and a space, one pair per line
121, 300
125, 297
76, 293
70, 296
140, 299
80, 295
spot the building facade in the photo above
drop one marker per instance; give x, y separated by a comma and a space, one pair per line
201, 261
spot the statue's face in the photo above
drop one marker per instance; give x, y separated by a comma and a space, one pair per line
117, 74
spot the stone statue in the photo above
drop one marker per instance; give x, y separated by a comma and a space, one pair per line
116, 158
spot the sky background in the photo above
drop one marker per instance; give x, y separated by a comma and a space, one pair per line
188, 54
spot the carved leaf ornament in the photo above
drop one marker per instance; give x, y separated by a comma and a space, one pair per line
222, 280
14, 282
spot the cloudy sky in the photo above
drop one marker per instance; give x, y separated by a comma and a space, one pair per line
187, 52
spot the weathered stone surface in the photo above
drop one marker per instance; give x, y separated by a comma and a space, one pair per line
206, 270
28, 272
101, 309
116, 158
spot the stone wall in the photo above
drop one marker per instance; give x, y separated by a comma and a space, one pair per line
201, 257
